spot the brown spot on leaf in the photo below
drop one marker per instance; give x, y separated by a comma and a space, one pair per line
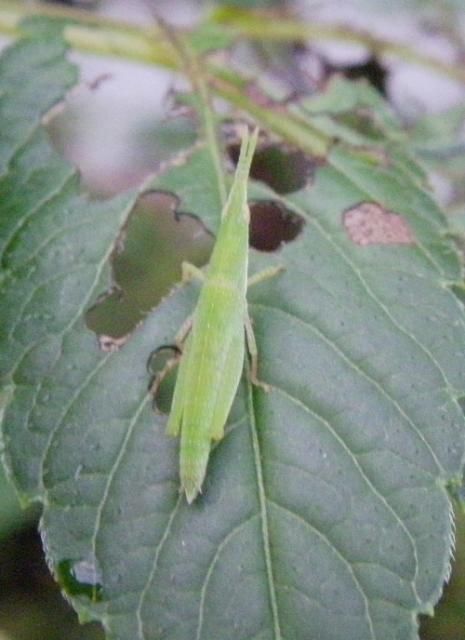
370, 223
272, 225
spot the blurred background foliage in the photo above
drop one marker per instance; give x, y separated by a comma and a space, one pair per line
124, 121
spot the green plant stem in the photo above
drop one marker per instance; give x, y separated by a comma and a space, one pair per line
291, 127
105, 37
101, 36
142, 44
260, 26
94, 34
189, 61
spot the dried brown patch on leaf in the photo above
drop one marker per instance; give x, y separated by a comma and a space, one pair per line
272, 225
370, 223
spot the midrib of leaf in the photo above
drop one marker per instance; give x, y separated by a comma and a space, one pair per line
262, 500
344, 445
292, 204
340, 555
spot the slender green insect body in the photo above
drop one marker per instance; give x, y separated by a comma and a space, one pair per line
214, 351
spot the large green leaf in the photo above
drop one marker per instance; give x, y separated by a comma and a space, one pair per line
325, 512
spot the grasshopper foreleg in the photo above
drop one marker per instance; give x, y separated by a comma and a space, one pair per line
191, 272
265, 274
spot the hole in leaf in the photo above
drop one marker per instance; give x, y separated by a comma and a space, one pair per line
272, 225
162, 366
283, 170
370, 223
145, 263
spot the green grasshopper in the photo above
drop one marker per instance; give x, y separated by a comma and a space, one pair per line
214, 339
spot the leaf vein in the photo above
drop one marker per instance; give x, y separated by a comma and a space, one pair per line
263, 514
359, 370
211, 567
36, 210
363, 474
153, 570
339, 554
371, 294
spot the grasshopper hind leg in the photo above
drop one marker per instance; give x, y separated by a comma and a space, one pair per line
253, 353
234, 364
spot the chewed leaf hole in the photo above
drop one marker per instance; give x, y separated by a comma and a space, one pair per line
162, 366
81, 578
370, 223
272, 225
283, 170
145, 263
